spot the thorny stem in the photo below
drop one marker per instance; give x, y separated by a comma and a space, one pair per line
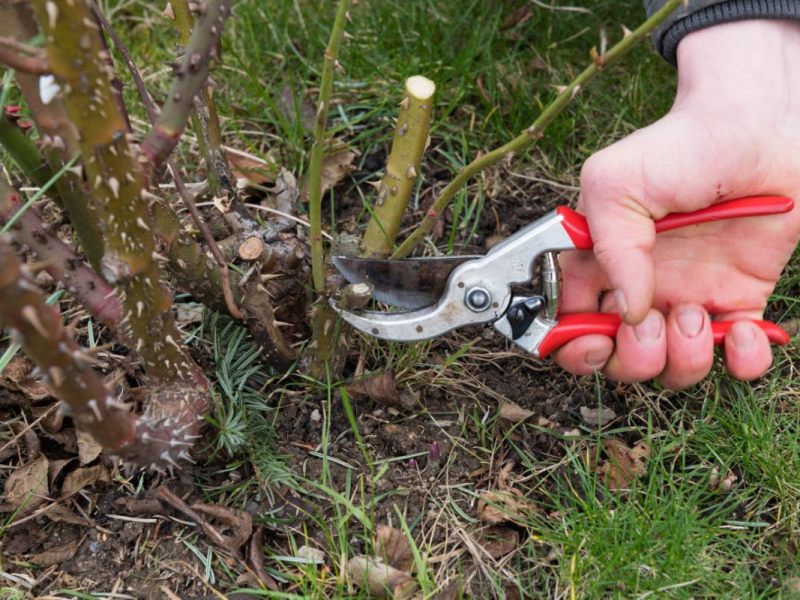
23, 58
59, 139
116, 183
38, 328
190, 77
186, 198
60, 261
536, 130
315, 163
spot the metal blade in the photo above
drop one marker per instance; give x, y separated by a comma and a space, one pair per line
411, 283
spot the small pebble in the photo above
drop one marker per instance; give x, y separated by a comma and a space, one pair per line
315, 416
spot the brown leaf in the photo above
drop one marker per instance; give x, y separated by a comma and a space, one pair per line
18, 376
380, 388
250, 167
449, 591
380, 579
290, 107
83, 477
624, 464
336, 165
139, 506
393, 547
498, 540
55, 554
513, 412
27, 487
61, 514
237, 523
504, 506
597, 417
255, 558
88, 448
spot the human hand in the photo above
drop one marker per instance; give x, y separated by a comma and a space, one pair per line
733, 131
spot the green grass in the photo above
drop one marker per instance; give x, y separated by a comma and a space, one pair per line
671, 535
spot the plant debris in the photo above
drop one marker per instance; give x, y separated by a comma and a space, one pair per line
597, 417
380, 579
624, 464
393, 547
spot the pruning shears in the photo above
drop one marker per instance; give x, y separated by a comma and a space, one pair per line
438, 295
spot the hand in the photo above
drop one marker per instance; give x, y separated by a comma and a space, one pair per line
733, 131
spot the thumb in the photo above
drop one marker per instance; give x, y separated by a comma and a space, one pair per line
622, 229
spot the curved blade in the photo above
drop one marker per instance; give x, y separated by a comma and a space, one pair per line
410, 284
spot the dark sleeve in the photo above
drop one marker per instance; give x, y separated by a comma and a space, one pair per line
699, 14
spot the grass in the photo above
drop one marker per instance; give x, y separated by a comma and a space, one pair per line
673, 534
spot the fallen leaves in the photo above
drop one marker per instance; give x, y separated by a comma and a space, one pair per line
26, 487
380, 388
336, 165
501, 506
597, 417
623, 464
18, 376
83, 477
380, 579
393, 547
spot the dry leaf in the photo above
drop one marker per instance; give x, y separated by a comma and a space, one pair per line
380, 579
248, 167
88, 448
56, 554
498, 540
624, 464
597, 417
255, 558
27, 486
393, 547
61, 514
336, 165
83, 477
380, 388
715, 482
18, 376
514, 412
310, 555
237, 523
504, 506
448, 592
288, 105
139, 506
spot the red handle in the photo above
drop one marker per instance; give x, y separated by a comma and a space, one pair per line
578, 324
578, 230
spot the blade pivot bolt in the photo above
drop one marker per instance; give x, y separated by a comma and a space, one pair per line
478, 299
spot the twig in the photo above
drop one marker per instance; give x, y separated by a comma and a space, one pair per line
22, 57
535, 131
315, 163
191, 76
285, 215
186, 198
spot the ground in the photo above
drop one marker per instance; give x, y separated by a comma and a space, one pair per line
495, 468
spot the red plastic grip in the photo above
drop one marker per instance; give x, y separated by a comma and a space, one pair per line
577, 228
579, 324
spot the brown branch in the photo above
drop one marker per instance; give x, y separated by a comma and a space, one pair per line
190, 77
23, 58
60, 261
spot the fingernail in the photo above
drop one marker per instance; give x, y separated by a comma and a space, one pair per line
649, 330
622, 304
596, 358
690, 321
744, 337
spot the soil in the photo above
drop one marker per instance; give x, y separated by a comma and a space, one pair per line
430, 445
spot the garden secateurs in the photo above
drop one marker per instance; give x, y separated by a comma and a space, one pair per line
438, 295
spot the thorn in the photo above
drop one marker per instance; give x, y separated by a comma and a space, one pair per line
30, 315
405, 103
346, 35
411, 172
92, 404
52, 13
167, 457
626, 32
141, 224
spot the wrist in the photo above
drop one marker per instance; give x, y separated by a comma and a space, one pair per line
745, 64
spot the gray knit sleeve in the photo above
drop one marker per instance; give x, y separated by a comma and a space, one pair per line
699, 14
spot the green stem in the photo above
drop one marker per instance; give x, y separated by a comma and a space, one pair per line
402, 167
535, 131
315, 164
